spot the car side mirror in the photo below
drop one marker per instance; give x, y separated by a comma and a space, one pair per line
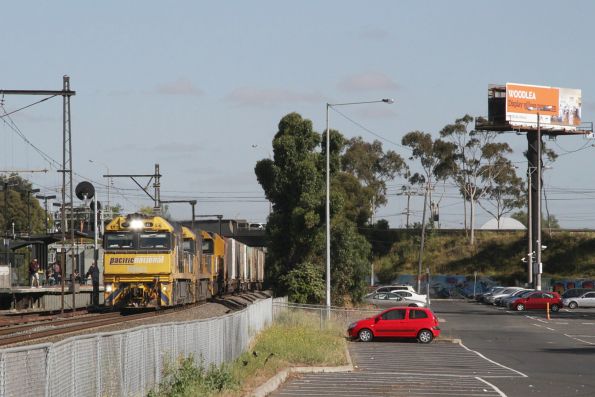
377, 319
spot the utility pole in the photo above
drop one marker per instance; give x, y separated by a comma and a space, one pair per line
408, 193
423, 236
66, 93
156, 197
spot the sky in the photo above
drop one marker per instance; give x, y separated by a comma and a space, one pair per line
199, 88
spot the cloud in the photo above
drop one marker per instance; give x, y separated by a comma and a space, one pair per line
369, 81
373, 34
179, 87
250, 96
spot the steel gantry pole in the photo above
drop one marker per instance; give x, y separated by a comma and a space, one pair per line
328, 192
66, 93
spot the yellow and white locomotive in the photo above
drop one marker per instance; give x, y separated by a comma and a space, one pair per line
150, 262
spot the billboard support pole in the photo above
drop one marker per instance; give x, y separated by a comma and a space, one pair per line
538, 205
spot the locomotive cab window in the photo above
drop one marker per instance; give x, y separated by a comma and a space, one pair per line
118, 241
189, 246
154, 241
207, 247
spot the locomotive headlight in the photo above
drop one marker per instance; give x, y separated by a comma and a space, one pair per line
137, 224
164, 287
109, 288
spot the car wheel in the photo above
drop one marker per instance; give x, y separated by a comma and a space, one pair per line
555, 307
573, 305
365, 335
425, 336
520, 307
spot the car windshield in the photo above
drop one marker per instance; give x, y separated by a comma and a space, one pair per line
526, 293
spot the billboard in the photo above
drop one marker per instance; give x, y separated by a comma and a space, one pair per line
559, 108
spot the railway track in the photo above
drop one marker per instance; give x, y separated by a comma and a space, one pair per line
10, 335
31, 332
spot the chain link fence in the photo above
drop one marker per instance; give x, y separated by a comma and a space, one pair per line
130, 362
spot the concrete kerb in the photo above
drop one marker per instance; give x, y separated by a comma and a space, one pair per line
277, 380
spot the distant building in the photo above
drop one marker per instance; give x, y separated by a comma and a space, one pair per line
505, 224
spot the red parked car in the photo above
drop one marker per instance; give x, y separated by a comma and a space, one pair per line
538, 300
399, 322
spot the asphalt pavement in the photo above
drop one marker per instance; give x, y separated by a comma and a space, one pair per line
502, 353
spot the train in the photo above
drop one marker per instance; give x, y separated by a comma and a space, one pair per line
152, 262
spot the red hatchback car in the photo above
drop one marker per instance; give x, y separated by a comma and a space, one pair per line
398, 322
537, 300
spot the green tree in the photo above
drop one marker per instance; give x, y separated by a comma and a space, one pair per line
506, 193
293, 181
305, 283
18, 206
366, 166
547, 221
477, 158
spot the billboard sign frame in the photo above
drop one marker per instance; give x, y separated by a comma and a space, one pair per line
557, 107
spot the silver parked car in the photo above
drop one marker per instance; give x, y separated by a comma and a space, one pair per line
585, 300
390, 299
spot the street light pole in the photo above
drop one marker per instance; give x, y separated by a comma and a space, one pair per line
45, 199
29, 209
328, 191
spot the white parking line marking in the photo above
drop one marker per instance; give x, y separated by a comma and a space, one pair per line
492, 386
551, 329
492, 361
580, 340
588, 323
536, 319
582, 336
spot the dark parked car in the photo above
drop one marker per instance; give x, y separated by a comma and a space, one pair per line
575, 292
538, 300
400, 322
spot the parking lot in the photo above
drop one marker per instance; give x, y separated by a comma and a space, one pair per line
503, 353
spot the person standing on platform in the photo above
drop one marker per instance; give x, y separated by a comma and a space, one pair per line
94, 273
33, 275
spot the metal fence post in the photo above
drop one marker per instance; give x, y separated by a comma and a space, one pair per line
97, 367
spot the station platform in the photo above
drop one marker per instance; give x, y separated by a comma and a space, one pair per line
47, 298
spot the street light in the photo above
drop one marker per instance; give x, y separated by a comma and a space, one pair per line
538, 188
328, 191
45, 200
29, 192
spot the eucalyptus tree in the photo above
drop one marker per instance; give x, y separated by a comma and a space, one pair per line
476, 155
506, 191
437, 163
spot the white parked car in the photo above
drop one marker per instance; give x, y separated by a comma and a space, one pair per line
411, 295
391, 288
585, 300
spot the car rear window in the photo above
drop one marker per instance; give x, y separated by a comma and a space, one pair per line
416, 314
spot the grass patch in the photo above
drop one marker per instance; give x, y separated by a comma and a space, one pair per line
187, 378
294, 340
